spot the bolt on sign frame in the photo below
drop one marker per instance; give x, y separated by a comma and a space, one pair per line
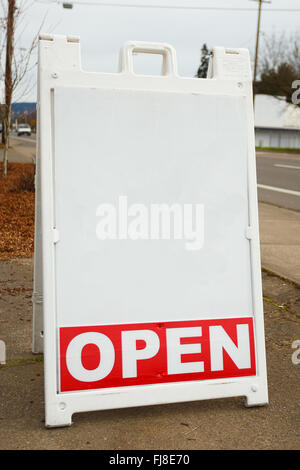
141, 308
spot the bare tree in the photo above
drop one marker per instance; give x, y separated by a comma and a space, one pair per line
8, 79
19, 62
279, 65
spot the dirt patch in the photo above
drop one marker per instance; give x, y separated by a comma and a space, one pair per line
17, 211
16, 282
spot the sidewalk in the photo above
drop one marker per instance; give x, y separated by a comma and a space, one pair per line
280, 241
21, 151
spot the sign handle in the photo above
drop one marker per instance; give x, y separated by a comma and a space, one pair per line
169, 67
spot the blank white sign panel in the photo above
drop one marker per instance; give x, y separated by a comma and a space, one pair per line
150, 148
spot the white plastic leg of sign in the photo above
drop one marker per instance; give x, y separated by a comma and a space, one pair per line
150, 243
228, 64
37, 297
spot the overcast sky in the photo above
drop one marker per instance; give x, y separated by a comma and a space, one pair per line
104, 29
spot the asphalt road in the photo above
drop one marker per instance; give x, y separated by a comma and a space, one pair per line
278, 174
278, 177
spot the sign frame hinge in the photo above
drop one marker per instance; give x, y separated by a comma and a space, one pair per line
55, 235
249, 233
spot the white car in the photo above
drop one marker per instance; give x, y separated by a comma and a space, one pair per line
23, 129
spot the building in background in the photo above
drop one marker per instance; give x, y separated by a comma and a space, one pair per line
277, 123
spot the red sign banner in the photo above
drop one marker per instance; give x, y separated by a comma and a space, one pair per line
95, 357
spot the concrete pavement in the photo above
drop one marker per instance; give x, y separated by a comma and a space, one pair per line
280, 241
21, 150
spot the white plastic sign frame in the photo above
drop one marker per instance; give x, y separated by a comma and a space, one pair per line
229, 83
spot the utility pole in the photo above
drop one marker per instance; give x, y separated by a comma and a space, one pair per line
260, 2
8, 78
